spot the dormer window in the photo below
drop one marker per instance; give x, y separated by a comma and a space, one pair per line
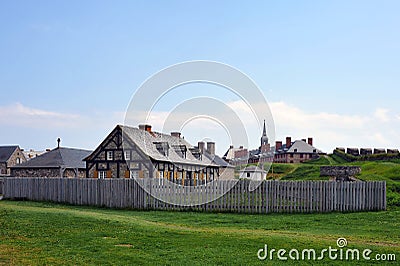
162, 147
295, 150
196, 153
180, 150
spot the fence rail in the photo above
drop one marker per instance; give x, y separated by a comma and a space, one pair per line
270, 196
1, 185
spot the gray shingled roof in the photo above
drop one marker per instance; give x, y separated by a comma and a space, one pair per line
58, 157
302, 147
253, 168
6, 152
145, 141
217, 160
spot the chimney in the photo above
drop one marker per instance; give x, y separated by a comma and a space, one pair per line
58, 143
278, 145
288, 142
47, 150
231, 147
310, 141
304, 140
147, 128
200, 145
211, 148
240, 147
176, 134
142, 127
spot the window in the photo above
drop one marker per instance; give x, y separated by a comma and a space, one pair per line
134, 174
301, 155
102, 174
134, 166
248, 174
291, 155
161, 174
110, 156
18, 160
295, 150
127, 155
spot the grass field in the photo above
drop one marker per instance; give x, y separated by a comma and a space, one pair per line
51, 234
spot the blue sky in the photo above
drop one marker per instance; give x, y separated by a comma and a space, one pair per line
329, 69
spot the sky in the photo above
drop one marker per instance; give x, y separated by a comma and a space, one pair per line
328, 69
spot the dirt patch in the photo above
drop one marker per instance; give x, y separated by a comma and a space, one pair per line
124, 245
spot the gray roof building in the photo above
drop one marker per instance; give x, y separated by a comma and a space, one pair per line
59, 162
6, 152
10, 156
295, 152
129, 152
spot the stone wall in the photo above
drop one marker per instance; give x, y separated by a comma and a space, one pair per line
339, 170
12, 161
47, 172
3, 169
340, 173
367, 151
226, 173
35, 172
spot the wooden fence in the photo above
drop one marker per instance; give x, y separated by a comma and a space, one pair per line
269, 196
1, 185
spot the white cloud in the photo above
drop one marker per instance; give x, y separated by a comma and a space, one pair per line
329, 130
19, 115
382, 114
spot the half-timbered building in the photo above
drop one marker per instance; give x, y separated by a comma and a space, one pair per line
129, 152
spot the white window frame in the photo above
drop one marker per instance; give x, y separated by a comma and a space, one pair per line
102, 174
109, 155
18, 160
134, 174
127, 155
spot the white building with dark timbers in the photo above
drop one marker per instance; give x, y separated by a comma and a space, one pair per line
129, 152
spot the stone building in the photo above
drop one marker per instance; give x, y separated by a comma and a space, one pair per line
59, 162
295, 152
129, 152
10, 156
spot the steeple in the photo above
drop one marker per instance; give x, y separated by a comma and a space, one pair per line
265, 147
264, 130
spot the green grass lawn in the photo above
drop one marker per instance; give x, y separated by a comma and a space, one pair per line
51, 234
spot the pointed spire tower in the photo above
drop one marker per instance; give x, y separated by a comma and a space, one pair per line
265, 147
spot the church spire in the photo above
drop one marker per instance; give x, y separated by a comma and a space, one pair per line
265, 147
264, 130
